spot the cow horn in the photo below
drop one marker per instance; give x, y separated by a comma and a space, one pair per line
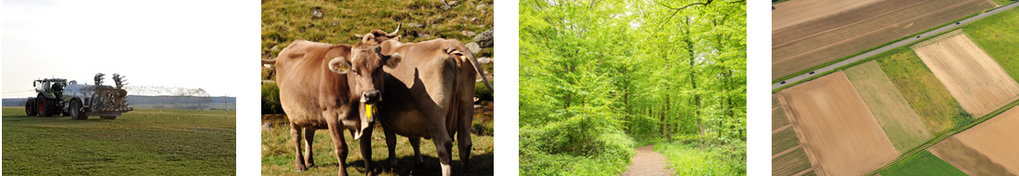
393, 34
367, 37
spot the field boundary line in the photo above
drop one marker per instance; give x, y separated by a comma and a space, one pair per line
787, 151
781, 128
803, 172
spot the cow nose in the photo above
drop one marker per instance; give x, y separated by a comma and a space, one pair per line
371, 97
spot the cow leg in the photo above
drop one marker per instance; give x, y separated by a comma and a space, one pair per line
295, 132
309, 138
415, 143
464, 132
366, 150
391, 145
339, 144
443, 146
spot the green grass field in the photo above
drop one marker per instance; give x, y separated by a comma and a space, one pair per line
693, 158
1004, 2
784, 140
791, 163
141, 142
921, 163
924, 92
997, 36
278, 154
901, 124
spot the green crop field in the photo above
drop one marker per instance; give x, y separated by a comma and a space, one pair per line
921, 163
924, 92
784, 140
1004, 2
997, 36
141, 142
791, 163
278, 154
901, 124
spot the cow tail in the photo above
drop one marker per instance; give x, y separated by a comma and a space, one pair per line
481, 71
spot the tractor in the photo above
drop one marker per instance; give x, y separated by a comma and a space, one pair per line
58, 96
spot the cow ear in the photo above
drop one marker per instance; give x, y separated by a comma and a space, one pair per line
393, 60
388, 47
339, 65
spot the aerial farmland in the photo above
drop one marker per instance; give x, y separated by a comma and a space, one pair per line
943, 103
970, 75
833, 31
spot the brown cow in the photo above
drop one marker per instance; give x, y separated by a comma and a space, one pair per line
430, 95
334, 87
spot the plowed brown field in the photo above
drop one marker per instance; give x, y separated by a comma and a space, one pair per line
990, 148
970, 75
839, 133
833, 30
796, 12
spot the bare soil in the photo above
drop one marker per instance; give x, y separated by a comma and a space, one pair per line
841, 32
648, 162
839, 133
986, 149
970, 75
796, 12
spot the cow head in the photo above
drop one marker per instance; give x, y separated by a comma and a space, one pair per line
365, 76
379, 35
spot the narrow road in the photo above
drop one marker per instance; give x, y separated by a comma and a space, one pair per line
890, 46
648, 162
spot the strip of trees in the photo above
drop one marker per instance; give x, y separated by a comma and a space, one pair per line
595, 72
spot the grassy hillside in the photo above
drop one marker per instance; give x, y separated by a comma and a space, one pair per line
284, 21
141, 142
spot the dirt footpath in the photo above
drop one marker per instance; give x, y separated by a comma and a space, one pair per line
648, 162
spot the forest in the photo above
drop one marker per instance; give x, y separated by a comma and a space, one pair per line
601, 78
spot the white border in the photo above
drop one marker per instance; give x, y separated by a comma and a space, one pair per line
507, 128
758, 88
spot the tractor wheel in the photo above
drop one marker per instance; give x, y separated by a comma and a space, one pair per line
76, 112
108, 117
30, 107
62, 112
42, 106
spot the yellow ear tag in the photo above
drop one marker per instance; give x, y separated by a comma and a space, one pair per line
368, 111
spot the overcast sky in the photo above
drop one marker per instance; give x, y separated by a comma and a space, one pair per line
188, 44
